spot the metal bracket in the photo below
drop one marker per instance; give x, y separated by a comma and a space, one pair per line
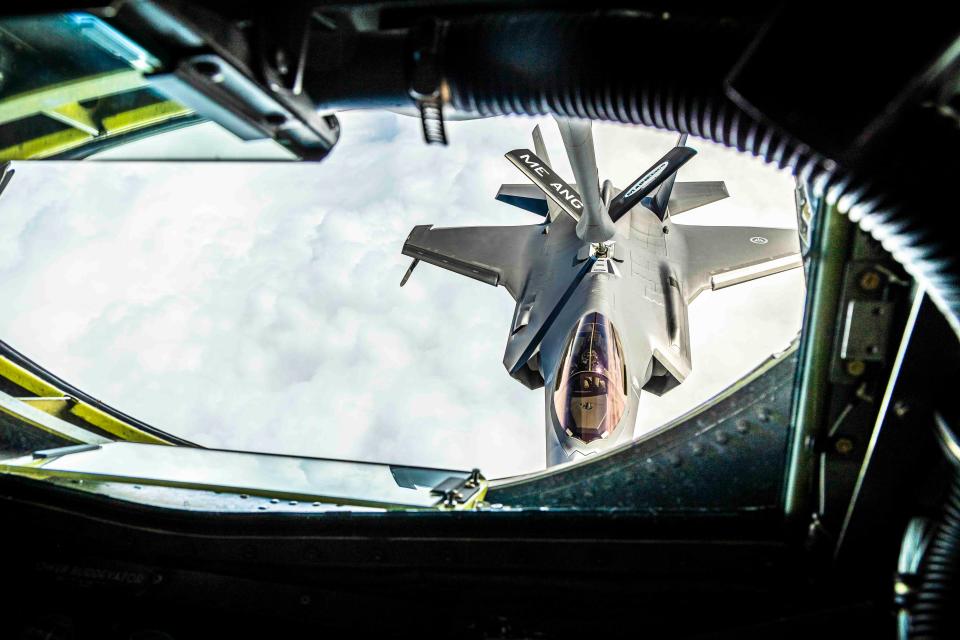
220, 92
866, 313
456, 491
866, 330
247, 78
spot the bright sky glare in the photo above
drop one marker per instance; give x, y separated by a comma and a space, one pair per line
256, 305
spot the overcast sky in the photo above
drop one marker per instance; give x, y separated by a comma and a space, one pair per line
256, 305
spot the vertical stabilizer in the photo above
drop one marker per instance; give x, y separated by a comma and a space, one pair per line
662, 199
539, 147
553, 209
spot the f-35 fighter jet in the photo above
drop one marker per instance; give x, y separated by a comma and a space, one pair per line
602, 284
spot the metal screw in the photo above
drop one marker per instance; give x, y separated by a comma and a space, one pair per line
742, 426
900, 408
856, 368
280, 58
208, 69
844, 446
869, 280
720, 437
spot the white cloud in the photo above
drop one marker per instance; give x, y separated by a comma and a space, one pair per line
257, 306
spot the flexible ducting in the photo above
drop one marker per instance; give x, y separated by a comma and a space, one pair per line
634, 69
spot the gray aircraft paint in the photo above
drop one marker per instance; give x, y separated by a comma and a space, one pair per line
654, 269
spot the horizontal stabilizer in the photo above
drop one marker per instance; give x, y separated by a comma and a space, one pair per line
547, 181
690, 195
525, 196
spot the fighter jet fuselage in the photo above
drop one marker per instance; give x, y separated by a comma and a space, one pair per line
602, 285
592, 364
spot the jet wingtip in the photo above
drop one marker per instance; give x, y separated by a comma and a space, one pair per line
6, 174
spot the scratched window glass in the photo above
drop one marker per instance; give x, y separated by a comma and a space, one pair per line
258, 306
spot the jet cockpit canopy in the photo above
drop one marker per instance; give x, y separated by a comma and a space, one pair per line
590, 392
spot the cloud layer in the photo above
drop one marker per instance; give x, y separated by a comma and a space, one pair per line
256, 305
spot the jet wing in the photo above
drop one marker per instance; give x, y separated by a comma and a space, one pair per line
494, 255
718, 257
6, 174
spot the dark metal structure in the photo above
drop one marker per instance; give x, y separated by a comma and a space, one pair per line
778, 510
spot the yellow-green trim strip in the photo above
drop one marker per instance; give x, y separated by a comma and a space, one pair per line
36, 418
88, 413
46, 146
77, 136
145, 116
55, 96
